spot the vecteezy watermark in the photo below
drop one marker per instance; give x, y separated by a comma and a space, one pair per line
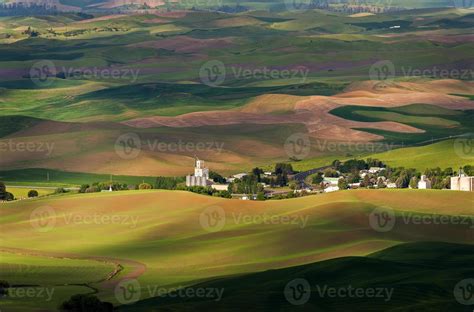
212, 219
211, 293
436, 72
384, 219
214, 73
13, 146
43, 219
240, 218
349, 291
42, 72
297, 291
35, 292
352, 147
95, 218
383, 71
386, 71
129, 146
464, 146
99, 73
129, 291
464, 291
298, 146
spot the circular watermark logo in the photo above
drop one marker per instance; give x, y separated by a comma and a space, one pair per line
43, 219
298, 5
42, 72
212, 219
463, 4
212, 73
127, 291
382, 219
128, 146
464, 291
382, 71
297, 291
298, 146
464, 146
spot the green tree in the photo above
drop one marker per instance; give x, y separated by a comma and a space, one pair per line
166, 183
414, 182
468, 170
283, 168
33, 193
214, 176
3, 191
83, 188
318, 178
145, 186
4, 285
293, 185
403, 180
331, 173
60, 190
342, 184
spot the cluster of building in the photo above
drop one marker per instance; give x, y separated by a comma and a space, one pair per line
330, 184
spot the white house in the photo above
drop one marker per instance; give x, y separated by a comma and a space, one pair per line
375, 169
220, 187
239, 175
331, 181
331, 189
200, 177
424, 183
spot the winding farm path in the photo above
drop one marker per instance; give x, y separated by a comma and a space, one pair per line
109, 281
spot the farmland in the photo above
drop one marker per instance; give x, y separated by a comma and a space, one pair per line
161, 231
119, 92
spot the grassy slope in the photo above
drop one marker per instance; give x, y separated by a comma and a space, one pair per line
20, 192
166, 235
422, 276
443, 154
63, 178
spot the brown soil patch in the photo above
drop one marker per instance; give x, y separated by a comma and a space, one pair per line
313, 111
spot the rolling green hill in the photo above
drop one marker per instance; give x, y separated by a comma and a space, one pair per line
415, 276
162, 238
444, 154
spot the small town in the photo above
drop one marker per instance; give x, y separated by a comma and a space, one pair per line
283, 182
